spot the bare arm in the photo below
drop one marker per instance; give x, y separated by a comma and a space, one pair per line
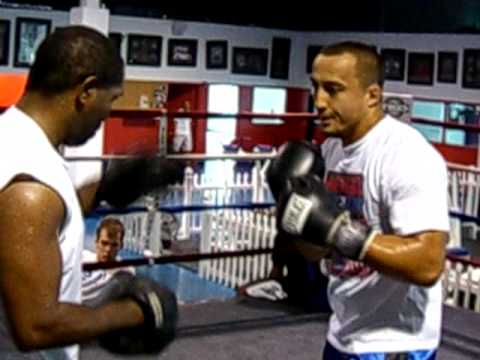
87, 195
30, 274
418, 259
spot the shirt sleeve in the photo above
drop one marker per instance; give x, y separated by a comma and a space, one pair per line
418, 192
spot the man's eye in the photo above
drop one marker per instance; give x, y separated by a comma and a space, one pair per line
331, 89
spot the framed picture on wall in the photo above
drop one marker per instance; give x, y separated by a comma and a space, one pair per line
217, 54
249, 61
280, 60
312, 52
144, 50
116, 39
4, 41
471, 69
420, 68
29, 33
182, 52
447, 67
394, 62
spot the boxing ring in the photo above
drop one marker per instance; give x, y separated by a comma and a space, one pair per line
228, 326
228, 232
241, 328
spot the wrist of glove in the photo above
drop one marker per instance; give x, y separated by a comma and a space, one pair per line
311, 213
125, 180
159, 307
351, 238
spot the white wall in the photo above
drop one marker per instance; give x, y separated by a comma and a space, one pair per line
261, 37
235, 35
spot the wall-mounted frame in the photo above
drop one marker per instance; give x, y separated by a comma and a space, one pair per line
217, 54
4, 41
471, 69
249, 61
394, 64
29, 34
144, 50
182, 52
420, 68
447, 67
116, 39
280, 60
312, 52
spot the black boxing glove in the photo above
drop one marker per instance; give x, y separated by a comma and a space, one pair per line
159, 307
313, 214
294, 159
125, 180
283, 247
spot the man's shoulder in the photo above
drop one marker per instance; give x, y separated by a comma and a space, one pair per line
330, 145
88, 255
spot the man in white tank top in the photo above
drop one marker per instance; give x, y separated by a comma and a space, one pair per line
389, 247
76, 76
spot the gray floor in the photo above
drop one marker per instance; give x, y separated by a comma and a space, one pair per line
243, 329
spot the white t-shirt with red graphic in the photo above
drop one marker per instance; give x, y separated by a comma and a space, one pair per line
395, 181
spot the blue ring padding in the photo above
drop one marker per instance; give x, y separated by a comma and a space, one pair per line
179, 208
464, 217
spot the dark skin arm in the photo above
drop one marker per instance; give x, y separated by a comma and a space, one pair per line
87, 195
418, 259
30, 274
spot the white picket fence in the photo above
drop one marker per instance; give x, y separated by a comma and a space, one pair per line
223, 229
461, 284
241, 188
232, 230
464, 199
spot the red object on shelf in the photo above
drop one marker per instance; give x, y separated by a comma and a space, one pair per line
12, 86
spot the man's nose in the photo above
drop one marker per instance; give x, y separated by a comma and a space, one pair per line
320, 100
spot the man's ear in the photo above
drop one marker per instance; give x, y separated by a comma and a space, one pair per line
87, 90
374, 95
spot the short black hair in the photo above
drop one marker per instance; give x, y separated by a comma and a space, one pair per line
112, 225
69, 55
370, 68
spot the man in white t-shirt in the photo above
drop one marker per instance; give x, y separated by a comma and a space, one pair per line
379, 202
108, 243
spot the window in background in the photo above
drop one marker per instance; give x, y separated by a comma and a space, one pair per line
271, 101
220, 131
455, 137
431, 110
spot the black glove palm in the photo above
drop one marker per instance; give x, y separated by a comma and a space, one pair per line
159, 306
295, 159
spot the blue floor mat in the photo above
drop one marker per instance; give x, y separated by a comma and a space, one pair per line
187, 285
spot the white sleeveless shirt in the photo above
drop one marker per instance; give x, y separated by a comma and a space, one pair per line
25, 149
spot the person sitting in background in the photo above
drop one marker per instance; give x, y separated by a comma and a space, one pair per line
108, 243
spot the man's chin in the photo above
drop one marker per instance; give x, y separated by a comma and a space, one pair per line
330, 132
